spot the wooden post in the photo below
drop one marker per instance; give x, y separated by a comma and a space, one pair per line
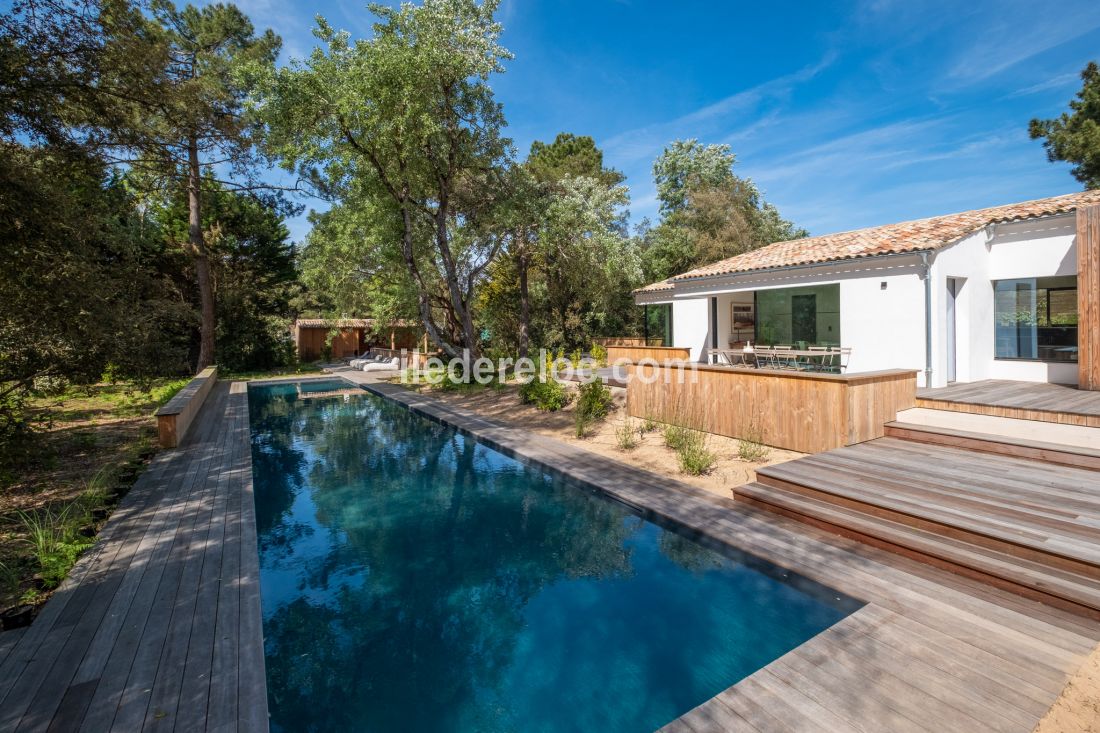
393, 343
1088, 297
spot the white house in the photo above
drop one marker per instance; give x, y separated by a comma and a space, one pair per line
985, 294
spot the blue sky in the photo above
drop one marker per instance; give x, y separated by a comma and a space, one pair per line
846, 114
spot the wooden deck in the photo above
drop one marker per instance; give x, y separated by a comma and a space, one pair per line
931, 650
1022, 400
159, 625
1023, 524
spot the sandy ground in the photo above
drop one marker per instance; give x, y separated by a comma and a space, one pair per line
651, 454
1078, 707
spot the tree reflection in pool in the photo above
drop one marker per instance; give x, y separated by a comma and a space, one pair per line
415, 580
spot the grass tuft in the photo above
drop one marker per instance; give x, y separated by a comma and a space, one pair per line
626, 435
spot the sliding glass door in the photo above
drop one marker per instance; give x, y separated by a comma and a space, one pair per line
799, 317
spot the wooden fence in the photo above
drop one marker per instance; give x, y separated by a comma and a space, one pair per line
800, 411
634, 354
174, 418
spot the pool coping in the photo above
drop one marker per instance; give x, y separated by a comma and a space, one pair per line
907, 604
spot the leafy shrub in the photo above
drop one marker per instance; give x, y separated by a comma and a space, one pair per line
599, 355
593, 404
677, 436
695, 456
55, 540
548, 396
594, 400
649, 424
626, 435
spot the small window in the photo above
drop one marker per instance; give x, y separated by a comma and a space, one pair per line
1036, 318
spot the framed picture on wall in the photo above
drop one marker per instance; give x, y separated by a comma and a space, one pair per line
741, 316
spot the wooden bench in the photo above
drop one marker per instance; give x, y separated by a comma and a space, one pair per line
176, 416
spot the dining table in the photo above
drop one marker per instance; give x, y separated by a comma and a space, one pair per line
740, 357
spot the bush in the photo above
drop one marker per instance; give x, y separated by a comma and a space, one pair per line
593, 404
696, 458
677, 436
751, 447
649, 424
599, 355
594, 400
548, 396
626, 435
55, 540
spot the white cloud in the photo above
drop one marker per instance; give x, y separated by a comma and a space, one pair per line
643, 143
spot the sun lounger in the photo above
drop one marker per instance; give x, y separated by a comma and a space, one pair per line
384, 365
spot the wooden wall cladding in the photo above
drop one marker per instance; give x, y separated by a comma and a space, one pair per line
798, 411
1088, 297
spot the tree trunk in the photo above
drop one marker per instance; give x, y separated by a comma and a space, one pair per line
198, 252
524, 299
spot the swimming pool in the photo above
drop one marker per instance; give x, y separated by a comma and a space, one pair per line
414, 579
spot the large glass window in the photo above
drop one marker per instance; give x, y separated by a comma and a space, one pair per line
658, 324
799, 317
1036, 318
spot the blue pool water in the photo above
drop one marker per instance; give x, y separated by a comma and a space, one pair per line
414, 579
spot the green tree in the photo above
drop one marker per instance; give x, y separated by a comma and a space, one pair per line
185, 118
570, 156
1075, 136
82, 276
708, 212
253, 270
406, 118
568, 262
351, 267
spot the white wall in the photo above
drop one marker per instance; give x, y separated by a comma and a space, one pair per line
690, 326
1034, 248
885, 326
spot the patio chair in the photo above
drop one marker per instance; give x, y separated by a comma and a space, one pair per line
783, 358
360, 360
843, 354
818, 361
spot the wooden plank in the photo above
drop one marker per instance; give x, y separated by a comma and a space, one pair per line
78, 629
8, 640
252, 712
135, 697
130, 669
1088, 297
820, 411
1065, 455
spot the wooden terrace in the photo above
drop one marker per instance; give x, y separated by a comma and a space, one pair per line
1021, 400
158, 626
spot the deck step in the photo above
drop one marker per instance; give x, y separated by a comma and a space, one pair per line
1057, 587
1030, 509
1057, 453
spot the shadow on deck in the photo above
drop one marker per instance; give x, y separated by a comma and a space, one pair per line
159, 624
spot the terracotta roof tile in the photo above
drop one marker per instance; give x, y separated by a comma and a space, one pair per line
908, 236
